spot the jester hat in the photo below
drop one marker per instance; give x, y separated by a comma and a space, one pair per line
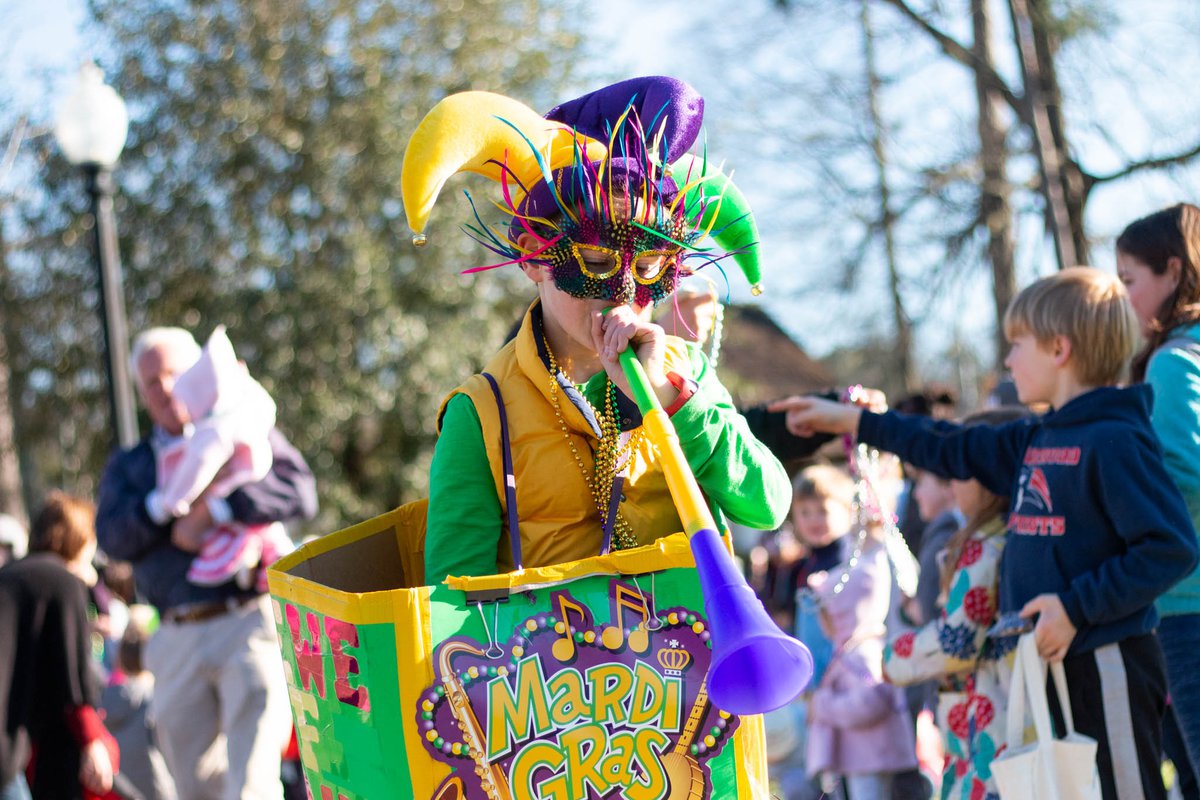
558, 173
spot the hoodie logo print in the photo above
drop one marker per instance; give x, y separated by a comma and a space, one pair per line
1033, 494
1038, 488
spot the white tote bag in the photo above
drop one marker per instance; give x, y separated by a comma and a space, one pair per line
1048, 768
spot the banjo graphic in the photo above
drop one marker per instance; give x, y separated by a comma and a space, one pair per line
683, 771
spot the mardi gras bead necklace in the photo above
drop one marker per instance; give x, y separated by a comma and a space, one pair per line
714, 349
868, 467
609, 457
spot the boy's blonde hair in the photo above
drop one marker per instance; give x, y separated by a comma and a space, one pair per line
823, 482
1088, 307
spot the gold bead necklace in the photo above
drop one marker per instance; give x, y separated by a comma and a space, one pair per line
608, 455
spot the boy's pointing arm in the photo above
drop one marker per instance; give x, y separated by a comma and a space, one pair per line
989, 454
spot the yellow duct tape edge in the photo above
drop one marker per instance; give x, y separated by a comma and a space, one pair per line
669, 552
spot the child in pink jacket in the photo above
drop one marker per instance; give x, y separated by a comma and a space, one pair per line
858, 725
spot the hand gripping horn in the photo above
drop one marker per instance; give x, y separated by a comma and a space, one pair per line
756, 667
488, 134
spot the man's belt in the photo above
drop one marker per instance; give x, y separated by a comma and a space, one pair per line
198, 612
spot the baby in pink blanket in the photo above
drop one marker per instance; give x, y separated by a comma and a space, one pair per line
224, 447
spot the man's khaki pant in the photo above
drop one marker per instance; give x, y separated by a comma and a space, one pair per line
220, 704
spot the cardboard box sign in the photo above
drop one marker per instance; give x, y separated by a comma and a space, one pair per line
574, 682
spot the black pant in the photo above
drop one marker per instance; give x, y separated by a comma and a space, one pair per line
1175, 749
1118, 697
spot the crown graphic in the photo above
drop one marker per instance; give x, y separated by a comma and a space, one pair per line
673, 659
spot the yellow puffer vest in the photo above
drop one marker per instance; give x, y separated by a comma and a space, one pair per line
558, 518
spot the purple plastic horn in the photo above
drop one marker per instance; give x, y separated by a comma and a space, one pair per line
756, 667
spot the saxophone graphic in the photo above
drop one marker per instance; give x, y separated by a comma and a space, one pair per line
491, 776
683, 772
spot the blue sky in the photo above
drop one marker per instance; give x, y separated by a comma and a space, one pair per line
40, 47
1128, 89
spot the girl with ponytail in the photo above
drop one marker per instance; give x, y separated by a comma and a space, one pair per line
1158, 260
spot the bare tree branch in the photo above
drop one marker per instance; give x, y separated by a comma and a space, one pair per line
10, 152
963, 55
1064, 207
1146, 164
902, 347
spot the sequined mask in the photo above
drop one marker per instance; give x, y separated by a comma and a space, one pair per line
618, 261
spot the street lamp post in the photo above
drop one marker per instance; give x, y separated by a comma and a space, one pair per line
90, 128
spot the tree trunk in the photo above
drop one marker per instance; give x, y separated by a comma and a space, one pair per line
1045, 106
887, 220
995, 209
11, 500
1074, 191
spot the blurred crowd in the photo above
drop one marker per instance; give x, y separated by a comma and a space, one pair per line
140, 657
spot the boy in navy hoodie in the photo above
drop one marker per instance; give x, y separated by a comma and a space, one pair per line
1097, 529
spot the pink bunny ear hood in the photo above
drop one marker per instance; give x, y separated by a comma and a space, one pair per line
211, 377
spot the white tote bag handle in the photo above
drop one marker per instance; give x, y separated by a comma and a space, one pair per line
1052, 768
1064, 698
1029, 682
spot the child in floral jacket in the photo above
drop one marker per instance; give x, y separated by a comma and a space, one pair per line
955, 647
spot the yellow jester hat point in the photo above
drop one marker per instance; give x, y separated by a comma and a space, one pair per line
488, 134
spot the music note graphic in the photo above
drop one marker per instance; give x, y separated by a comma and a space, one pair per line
564, 648
613, 635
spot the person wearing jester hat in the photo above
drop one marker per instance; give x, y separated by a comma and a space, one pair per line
608, 209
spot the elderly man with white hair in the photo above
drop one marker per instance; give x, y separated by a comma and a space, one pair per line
220, 701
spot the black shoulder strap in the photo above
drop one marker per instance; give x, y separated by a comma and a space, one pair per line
510, 478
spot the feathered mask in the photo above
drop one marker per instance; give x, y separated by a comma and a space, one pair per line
603, 189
